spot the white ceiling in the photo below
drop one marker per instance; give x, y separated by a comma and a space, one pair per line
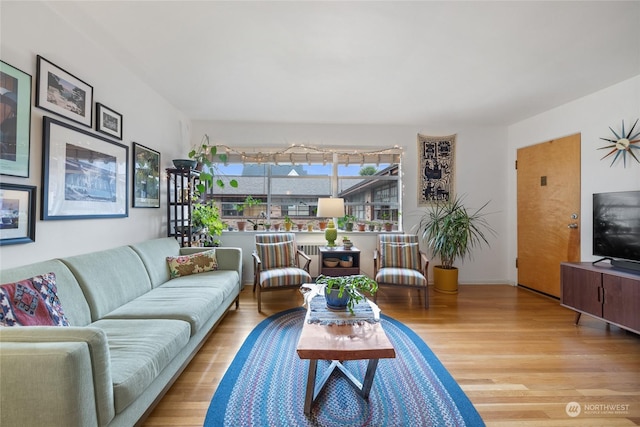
421, 62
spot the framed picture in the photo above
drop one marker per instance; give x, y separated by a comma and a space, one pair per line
63, 93
18, 211
83, 175
108, 121
146, 177
15, 120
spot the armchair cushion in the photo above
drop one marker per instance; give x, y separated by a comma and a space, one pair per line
31, 302
400, 254
401, 276
277, 255
289, 276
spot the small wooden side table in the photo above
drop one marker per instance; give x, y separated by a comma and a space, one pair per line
339, 252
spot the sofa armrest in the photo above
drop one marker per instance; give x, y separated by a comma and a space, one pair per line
66, 370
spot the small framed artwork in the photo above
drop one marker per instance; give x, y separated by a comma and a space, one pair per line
146, 177
15, 120
108, 121
62, 93
83, 175
18, 211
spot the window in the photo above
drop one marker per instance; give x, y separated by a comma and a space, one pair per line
290, 183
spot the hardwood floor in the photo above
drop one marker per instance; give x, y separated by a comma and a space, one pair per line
516, 354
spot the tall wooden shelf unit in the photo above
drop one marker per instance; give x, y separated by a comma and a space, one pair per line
603, 292
180, 186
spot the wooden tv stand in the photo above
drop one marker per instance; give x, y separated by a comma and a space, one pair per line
603, 292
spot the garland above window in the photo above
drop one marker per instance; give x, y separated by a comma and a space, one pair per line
301, 154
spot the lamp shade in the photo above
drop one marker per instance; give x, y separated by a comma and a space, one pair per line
330, 207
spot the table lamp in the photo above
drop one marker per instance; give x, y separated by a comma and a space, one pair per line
330, 208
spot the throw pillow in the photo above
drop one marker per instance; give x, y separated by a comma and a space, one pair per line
31, 302
277, 255
403, 255
185, 265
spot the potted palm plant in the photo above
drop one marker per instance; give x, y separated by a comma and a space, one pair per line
343, 292
451, 231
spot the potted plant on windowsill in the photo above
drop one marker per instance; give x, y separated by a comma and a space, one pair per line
288, 223
344, 292
240, 207
451, 231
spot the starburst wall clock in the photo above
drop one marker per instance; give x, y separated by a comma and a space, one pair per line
622, 144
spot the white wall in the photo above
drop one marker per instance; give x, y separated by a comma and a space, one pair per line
591, 116
481, 174
32, 28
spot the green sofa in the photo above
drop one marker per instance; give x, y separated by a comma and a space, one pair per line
133, 329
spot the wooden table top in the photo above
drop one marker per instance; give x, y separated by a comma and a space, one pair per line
344, 342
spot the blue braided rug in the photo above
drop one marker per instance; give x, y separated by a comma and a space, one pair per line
265, 385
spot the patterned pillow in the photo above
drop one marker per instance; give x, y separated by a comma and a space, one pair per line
31, 302
400, 254
277, 255
185, 265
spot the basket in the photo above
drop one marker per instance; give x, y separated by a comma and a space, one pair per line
331, 262
344, 263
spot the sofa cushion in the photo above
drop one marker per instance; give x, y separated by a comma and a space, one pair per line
226, 280
69, 293
109, 278
193, 305
31, 302
154, 254
185, 265
140, 349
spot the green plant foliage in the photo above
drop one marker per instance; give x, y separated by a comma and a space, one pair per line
205, 153
206, 216
452, 232
352, 285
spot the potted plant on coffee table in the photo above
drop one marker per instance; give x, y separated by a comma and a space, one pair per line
451, 231
344, 292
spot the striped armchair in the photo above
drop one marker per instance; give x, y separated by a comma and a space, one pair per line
277, 264
398, 261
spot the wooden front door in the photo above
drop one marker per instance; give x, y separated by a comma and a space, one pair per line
548, 212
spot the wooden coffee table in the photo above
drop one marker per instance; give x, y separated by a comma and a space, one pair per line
340, 343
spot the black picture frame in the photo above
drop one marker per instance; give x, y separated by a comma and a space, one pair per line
84, 175
146, 177
15, 92
108, 121
62, 93
18, 214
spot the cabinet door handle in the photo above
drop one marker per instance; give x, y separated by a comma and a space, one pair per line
599, 294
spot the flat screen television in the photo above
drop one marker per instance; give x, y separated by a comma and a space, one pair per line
616, 228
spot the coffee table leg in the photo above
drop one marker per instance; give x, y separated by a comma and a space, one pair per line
368, 377
311, 383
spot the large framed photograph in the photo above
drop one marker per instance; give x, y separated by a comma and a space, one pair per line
108, 121
83, 175
15, 121
62, 93
18, 212
146, 177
